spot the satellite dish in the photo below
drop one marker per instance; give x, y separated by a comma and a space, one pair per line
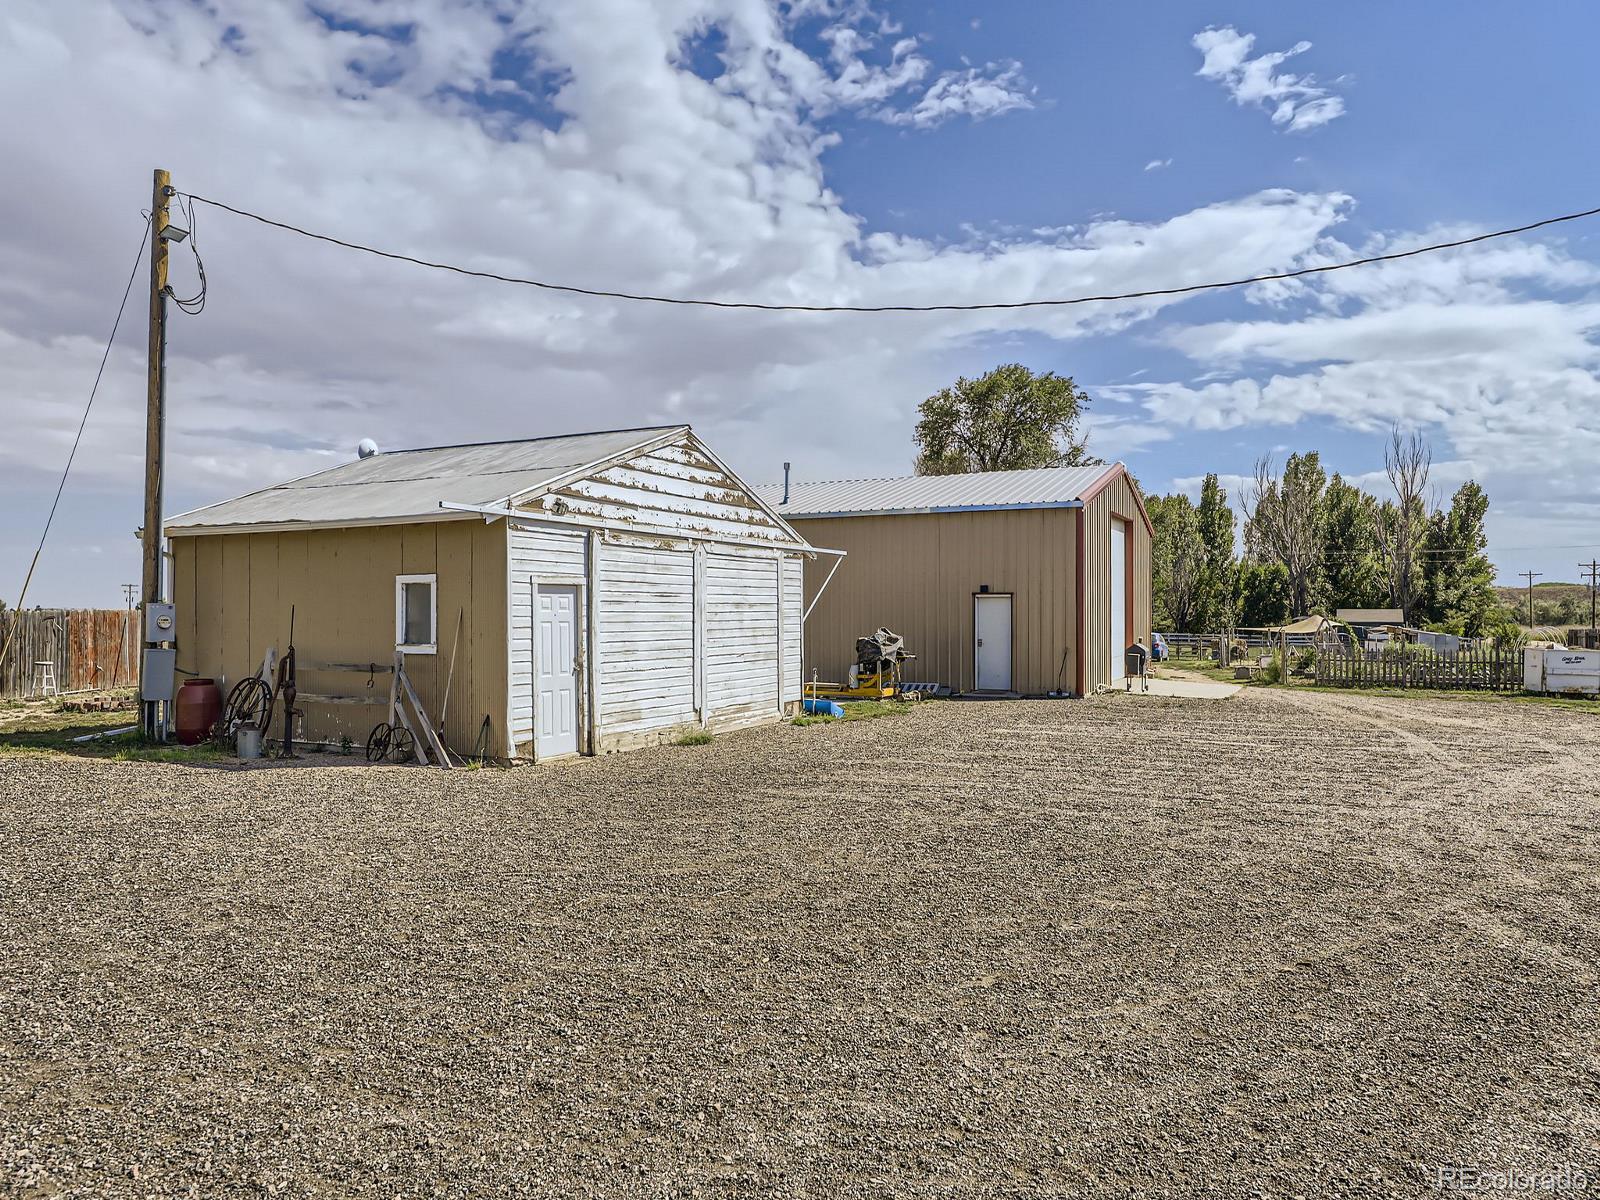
366, 448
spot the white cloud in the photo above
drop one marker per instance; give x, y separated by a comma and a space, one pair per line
601, 160
976, 92
1158, 164
1484, 350
1297, 102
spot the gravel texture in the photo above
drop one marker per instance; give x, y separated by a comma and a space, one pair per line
1285, 944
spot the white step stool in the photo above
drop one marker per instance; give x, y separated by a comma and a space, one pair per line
44, 679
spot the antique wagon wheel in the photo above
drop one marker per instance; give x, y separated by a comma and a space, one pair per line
249, 705
402, 745
378, 741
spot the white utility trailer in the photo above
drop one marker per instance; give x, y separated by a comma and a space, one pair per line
1560, 671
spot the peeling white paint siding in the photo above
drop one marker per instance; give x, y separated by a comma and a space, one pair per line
647, 630
672, 489
741, 633
793, 627
690, 629
554, 555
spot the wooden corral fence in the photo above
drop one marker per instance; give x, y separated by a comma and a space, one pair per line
1193, 645
1483, 669
90, 648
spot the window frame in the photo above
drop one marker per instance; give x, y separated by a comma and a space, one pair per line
401, 646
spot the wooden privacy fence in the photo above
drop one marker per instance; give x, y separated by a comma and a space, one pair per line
1483, 669
90, 649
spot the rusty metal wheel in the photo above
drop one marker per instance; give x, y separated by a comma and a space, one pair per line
402, 746
379, 740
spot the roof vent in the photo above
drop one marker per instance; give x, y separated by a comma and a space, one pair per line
366, 448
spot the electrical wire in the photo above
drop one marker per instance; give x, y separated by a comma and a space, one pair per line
144, 237
196, 304
647, 298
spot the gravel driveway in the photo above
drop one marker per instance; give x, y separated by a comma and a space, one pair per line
1284, 944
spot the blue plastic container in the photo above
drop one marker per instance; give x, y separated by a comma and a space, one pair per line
823, 708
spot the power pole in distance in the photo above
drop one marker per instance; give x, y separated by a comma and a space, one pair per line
1594, 580
155, 427
130, 593
1530, 576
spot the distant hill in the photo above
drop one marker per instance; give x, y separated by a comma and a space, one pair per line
1555, 604
1552, 593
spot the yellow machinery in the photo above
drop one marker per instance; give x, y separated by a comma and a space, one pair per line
876, 675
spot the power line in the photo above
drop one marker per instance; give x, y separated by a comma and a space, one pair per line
67, 470
195, 304
885, 308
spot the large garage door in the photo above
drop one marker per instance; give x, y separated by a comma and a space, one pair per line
646, 647
1119, 598
741, 622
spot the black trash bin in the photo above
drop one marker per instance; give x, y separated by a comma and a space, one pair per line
1136, 660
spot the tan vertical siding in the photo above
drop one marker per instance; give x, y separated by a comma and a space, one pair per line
1117, 500
917, 575
235, 592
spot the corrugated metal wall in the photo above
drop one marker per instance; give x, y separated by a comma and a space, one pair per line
917, 575
234, 593
1117, 500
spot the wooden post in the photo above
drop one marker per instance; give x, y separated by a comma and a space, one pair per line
155, 423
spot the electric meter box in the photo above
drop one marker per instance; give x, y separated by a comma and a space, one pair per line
160, 623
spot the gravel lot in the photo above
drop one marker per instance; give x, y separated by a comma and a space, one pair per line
1284, 944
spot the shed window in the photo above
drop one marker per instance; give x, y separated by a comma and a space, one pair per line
415, 610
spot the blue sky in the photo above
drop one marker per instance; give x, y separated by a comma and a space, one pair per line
838, 151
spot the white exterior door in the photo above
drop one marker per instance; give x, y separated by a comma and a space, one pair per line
991, 622
556, 685
1119, 600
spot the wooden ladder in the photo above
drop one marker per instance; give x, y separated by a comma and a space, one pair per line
401, 693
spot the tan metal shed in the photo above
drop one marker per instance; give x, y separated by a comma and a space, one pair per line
1053, 563
595, 591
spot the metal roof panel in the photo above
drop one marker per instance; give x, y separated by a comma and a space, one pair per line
1042, 487
403, 485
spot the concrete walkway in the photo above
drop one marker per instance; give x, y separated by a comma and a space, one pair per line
1196, 689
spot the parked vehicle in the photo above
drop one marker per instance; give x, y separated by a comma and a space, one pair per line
1158, 648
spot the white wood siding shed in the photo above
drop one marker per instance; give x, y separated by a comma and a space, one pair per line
692, 596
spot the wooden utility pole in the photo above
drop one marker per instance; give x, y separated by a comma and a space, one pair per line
1593, 568
1530, 576
155, 425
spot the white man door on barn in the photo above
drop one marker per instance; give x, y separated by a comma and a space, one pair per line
1119, 599
991, 622
556, 685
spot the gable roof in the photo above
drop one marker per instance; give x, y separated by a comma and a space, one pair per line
1371, 616
979, 491
402, 486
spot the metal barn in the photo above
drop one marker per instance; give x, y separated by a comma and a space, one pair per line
1023, 582
554, 596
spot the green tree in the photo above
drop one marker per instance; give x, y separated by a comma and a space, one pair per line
1457, 578
1264, 594
1177, 563
1352, 574
1007, 420
1284, 524
1402, 523
1215, 608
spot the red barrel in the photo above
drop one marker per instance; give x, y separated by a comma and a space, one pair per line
197, 708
